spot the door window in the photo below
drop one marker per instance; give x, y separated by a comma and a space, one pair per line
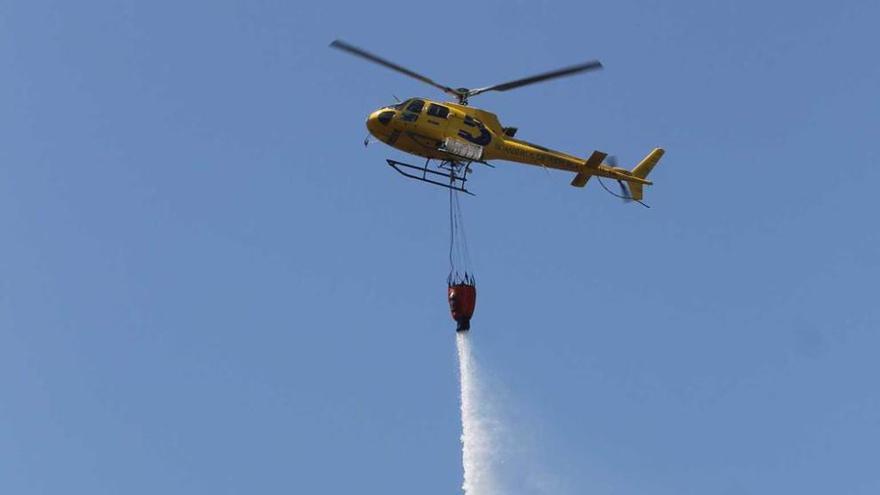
438, 111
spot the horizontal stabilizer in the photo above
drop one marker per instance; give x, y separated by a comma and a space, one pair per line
592, 163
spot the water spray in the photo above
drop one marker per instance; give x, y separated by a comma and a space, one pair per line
478, 429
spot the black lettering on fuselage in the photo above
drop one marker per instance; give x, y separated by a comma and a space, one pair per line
485, 136
536, 157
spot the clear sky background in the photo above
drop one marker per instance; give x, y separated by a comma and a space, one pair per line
208, 284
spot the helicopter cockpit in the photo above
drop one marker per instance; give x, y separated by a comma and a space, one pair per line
385, 117
386, 113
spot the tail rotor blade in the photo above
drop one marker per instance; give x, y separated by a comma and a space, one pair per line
624, 192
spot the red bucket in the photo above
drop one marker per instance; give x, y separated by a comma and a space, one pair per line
462, 301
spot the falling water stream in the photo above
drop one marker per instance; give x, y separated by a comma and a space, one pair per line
479, 429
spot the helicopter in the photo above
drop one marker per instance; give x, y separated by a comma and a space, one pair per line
456, 135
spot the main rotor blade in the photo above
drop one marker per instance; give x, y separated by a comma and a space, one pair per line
341, 45
567, 71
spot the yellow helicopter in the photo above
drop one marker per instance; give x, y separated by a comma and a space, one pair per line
457, 135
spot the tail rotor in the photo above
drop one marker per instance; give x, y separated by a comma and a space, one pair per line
625, 194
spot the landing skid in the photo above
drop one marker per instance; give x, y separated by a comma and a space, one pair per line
454, 172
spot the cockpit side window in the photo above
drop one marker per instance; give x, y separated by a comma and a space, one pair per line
415, 106
435, 110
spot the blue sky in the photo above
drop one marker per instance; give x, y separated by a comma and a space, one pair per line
208, 285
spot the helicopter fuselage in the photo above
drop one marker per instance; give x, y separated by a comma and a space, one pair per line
450, 131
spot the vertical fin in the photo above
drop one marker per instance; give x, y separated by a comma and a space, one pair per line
647, 164
642, 170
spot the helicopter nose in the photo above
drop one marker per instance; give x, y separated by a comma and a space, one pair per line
378, 122
373, 123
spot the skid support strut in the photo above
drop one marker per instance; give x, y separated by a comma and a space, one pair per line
454, 172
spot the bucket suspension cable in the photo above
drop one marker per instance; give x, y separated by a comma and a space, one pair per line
461, 286
459, 255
